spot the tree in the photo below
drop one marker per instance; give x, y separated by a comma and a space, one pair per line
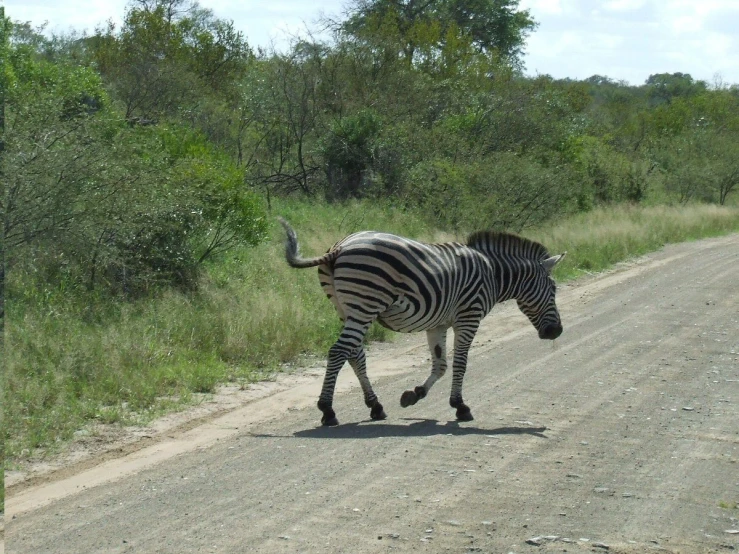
6, 77
169, 57
492, 26
280, 106
664, 87
721, 154
349, 150
94, 200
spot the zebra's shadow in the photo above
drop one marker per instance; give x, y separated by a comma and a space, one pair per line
419, 428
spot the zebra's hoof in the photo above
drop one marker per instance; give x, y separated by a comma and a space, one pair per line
379, 416
330, 421
377, 413
464, 414
408, 398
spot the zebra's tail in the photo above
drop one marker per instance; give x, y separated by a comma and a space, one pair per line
292, 252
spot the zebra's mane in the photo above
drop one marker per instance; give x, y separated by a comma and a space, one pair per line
494, 242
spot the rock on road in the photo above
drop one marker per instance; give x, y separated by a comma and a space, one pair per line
622, 437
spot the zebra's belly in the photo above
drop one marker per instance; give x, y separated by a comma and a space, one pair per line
406, 317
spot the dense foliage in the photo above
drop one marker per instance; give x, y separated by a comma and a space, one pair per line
96, 198
134, 154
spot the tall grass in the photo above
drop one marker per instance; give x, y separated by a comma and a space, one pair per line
600, 238
70, 361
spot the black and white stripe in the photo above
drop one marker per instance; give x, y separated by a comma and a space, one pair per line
410, 286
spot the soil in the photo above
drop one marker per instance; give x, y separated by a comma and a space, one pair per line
622, 436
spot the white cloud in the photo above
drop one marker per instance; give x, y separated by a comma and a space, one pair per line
631, 39
685, 24
623, 5
65, 15
691, 16
542, 6
719, 44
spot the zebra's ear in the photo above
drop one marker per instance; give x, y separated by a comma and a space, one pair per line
549, 263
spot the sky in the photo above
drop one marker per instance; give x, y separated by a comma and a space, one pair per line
626, 40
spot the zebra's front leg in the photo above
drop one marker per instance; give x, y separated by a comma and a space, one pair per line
437, 345
464, 333
358, 361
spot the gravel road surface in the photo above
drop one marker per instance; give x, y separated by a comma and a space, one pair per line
623, 436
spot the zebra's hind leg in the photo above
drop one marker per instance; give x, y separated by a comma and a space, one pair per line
437, 345
349, 341
358, 361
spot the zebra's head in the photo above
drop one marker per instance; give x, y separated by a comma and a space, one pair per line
536, 299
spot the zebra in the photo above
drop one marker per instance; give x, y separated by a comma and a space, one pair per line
410, 286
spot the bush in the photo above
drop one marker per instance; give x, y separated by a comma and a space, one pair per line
348, 151
610, 175
121, 208
502, 191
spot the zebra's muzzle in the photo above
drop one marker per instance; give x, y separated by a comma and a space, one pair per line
551, 332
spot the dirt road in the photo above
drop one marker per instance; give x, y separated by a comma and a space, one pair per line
623, 437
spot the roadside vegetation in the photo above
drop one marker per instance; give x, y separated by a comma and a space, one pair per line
143, 168
72, 361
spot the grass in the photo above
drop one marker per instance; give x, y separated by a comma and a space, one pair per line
70, 361
598, 239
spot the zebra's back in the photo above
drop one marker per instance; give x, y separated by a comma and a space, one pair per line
407, 285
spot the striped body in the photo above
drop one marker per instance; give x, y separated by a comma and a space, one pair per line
409, 286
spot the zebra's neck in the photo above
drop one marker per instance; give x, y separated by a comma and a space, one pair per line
508, 273
512, 258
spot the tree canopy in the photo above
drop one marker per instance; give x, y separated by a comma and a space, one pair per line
416, 26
